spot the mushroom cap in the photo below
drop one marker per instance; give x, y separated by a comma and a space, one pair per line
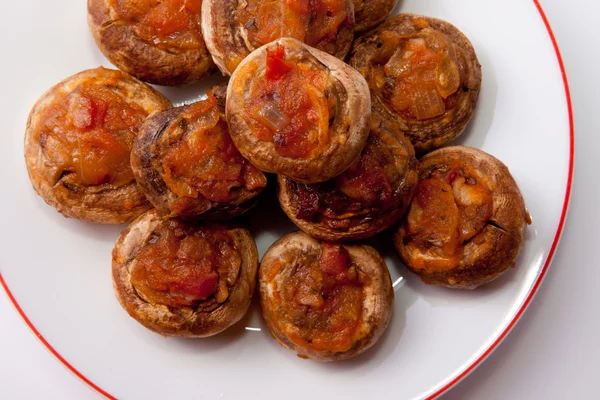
347, 138
183, 321
378, 294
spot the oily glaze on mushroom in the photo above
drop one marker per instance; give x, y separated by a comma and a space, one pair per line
78, 142
466, 224
157, 41
423, 74
367, 198
235, 28
370, 13
185, 161
188, 279
298, 112
324, 301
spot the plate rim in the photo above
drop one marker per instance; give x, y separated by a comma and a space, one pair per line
457, 377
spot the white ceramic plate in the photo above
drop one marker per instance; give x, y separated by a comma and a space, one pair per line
58, 270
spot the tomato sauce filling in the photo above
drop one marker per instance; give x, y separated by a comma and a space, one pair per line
419, 76
450, 208
289, 108
89, 133
315, 22
323, 299
182, 265
164, 23
204, 162
365, 186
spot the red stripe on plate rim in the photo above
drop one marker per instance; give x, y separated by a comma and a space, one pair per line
498, 340
49, 346
463, 374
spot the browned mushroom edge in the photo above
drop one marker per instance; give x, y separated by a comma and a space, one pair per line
370, 13
181, 57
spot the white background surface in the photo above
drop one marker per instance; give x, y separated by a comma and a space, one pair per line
551, 354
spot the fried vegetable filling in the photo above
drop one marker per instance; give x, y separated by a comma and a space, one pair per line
182, 265
164, 23
199, 158
420, 75
320, 300
87, 133
290, 106
450, 208
364, 190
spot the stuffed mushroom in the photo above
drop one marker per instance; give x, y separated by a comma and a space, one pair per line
190, 279
298, 112
423, 74
368, 197
466, 224
78, 142
185, 161
157, 41
324, 301
235, 28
